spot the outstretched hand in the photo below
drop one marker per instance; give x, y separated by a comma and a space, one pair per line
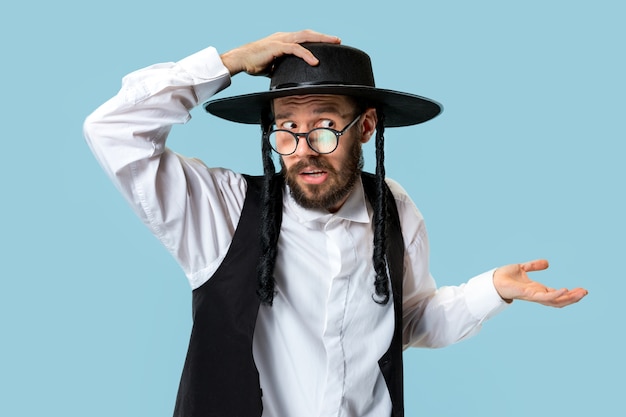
512, 283
255, 58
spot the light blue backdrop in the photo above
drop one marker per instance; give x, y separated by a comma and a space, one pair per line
526, 161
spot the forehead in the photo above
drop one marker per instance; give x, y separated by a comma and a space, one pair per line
313, 103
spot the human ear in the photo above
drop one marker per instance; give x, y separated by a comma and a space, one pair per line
368, 124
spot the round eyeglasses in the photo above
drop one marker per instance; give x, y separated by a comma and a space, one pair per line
321, 139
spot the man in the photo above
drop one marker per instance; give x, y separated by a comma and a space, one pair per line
307, 284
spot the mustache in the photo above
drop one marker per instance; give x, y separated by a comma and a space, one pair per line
310, 161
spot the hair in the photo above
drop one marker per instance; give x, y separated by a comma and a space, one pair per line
381, 283
271, 216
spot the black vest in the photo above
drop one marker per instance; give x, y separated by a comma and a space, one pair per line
220, 378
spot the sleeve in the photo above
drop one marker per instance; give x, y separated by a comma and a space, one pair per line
192, 209
437, 317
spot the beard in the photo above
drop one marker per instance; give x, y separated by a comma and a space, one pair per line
334, 190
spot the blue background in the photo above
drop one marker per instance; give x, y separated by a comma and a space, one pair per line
526, 161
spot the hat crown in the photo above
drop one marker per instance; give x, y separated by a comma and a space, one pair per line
338, 65
342, 70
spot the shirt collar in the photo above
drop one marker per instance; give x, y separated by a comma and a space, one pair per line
355, 209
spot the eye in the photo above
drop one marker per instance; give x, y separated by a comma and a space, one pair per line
288, 125
326, 123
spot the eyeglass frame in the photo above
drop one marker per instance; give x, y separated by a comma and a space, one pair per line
298, 135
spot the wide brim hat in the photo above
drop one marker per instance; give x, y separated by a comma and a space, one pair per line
342, 70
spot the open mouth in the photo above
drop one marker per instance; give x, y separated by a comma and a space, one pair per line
313, 176
316, 173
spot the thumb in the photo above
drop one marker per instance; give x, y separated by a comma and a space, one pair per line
536, 265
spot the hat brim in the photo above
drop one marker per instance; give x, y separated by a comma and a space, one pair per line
400, 109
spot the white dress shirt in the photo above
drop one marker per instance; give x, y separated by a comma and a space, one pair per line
317, 347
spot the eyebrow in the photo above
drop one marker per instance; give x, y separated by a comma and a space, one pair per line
318, 110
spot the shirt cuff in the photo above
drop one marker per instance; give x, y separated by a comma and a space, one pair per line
483, 301
209, 75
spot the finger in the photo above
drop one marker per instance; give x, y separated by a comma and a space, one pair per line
563, 297
296, 49
574, 296
308, 35
536, 265
551, 294
301, 52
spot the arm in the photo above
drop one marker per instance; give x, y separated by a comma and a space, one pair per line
437, 317
192, 209
440, 317
175, 197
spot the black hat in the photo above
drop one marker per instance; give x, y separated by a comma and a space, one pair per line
341, 70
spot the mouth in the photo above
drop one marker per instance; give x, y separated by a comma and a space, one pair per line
313, 173
313, 176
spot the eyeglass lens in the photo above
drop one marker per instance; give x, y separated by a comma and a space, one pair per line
321, 140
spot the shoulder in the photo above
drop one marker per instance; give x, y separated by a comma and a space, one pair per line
411, 219
218, 186
402, 198
222, 178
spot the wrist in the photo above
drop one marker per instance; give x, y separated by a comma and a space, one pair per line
498, 287
230, 61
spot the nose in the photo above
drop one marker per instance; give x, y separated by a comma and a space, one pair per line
303, 148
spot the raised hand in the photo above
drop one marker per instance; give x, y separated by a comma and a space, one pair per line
254, 58
512, 283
